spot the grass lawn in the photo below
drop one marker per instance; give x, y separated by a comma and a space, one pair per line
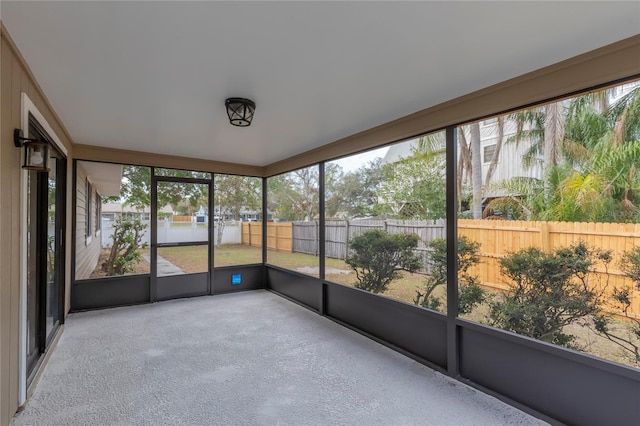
236, 254
190, 259
301, 262
194, 258
338, 271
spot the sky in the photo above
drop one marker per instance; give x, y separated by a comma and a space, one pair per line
354, 162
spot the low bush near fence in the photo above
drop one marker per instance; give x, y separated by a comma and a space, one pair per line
548, 291
497, 238
378, 257
470, 293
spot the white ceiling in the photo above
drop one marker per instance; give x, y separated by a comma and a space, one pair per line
153, 76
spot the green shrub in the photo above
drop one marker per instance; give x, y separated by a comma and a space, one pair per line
630, 265
547, 292
629, 339
470, 294
127, 240
378, 257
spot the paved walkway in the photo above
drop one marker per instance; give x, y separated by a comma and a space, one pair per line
250, 358
164, 266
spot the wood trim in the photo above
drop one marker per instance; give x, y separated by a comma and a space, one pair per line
589, 71
138, 158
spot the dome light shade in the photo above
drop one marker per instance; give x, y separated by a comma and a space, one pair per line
240, 111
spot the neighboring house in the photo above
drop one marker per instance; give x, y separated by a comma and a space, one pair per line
246, 215
250, 215
509, 165
94, 181
113, 211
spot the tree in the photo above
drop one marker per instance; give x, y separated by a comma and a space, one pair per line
355, 193
334, 179
414, 187
470, 161
377, 258
496, 153
628, 339
476, 169
464, 166
554, 133
548, 291
590, 148
295, 195
631, 265
233, 193
125, 251
470, 294
135, 190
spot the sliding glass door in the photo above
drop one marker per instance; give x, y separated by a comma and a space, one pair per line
45, 253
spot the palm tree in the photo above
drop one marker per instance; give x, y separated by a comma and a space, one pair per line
496, 153
590, 150
476, 168
464, 164
553, 134
470, 165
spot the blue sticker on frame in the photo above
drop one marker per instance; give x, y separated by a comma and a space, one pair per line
236, 279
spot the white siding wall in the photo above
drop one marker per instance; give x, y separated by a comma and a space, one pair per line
510, 161
87, 247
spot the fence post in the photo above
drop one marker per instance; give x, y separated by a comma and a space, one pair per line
386, 226
249, 226
317, 238
346, 240
544, 235
276, 226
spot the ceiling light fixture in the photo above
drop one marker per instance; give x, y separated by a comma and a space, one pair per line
240, 111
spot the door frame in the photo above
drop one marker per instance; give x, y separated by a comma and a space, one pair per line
155, 179
28, 108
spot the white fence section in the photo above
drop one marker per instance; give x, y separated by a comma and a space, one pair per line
231, 234
182, 232
107, 232
178, 232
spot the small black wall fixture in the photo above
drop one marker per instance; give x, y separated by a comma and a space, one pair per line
36, 152
240, 111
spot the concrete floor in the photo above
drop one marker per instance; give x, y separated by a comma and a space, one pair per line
249, 358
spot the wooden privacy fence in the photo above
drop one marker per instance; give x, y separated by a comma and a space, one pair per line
499, 238
302, 237
279, 235
338, 234
305, 237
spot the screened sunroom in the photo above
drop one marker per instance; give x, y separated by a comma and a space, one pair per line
320, 213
